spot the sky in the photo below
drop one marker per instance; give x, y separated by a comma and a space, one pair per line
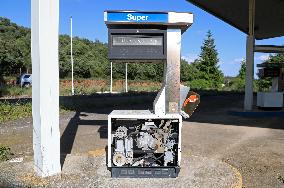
88, 23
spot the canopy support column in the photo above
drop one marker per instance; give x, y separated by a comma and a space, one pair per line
45, 99
248, 103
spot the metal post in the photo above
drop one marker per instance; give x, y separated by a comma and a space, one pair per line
72, 63
111, 77
248, 103
172, 73
126, 81
45, 99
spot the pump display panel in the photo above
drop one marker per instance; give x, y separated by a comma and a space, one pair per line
137, 44
137, 41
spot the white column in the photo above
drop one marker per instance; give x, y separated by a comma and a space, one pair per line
111, 77
126, 80
45, 98
248, 104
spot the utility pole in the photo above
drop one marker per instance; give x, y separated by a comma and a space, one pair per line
72, 70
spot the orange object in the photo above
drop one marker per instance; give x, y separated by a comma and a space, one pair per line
190, 99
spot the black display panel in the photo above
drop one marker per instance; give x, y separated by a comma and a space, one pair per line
137, 40
137, 44
269, 72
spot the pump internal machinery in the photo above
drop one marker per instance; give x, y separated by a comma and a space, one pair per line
147, 143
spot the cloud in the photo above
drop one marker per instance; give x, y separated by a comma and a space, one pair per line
238, 60
263, 57
190, 57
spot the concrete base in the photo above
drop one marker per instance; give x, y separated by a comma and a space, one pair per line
91, 171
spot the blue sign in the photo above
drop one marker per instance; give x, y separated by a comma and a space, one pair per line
136, 17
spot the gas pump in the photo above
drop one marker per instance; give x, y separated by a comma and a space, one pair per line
273, 98
144, 143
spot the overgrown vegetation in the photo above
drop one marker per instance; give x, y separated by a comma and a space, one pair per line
5, 153
14, 111
10, 111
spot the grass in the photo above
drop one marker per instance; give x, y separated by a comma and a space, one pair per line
19, 110
5, 153
10, 112
13, 91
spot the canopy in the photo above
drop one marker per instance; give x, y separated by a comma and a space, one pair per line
269, 15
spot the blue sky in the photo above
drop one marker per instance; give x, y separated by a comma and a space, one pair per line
88, 23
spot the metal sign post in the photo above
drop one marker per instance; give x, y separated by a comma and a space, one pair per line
71, 49
126, 81
110, 77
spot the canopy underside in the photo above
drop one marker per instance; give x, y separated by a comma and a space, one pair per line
269, 15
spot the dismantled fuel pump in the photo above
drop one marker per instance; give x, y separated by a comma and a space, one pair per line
144, 143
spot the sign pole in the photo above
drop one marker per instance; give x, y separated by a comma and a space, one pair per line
72, 68
111, 77
126, 80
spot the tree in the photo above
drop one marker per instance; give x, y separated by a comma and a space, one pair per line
242, 71
207, 64
14, 48
278, 58
90, 58
238, 83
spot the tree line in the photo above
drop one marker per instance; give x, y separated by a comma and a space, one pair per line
91, 60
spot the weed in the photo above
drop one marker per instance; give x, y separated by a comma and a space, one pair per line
15, 91
5, 153
14, 111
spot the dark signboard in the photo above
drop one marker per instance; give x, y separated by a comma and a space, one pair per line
137, 44
269, 72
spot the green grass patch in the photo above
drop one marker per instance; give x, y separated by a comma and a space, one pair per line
10, 112
14, 111
5, 153
12, 91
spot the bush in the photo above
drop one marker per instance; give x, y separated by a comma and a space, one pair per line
238, 84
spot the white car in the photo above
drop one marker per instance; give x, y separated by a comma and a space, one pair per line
25, 80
